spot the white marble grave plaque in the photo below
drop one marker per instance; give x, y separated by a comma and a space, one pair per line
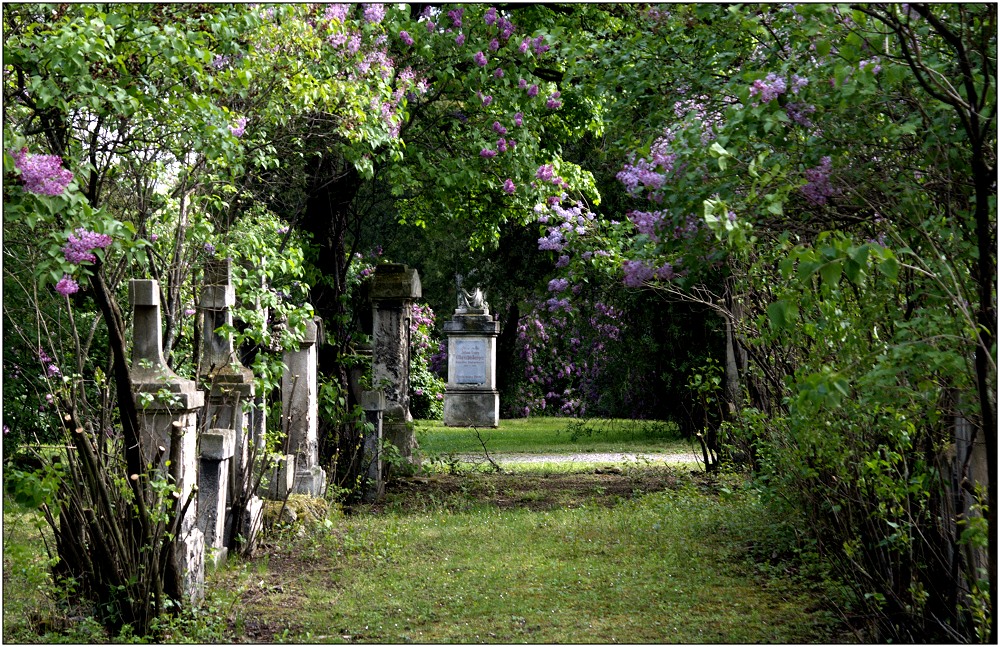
470, 361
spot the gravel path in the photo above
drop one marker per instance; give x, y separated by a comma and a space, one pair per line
588, 457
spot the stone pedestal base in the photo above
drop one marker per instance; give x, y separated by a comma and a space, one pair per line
373, 402
215, 557
472, 408
253, 521
279, 480
401, 435
190, 549
311, 482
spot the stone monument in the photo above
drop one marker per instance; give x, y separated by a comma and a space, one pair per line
393, 290
471, 398
300, 411
168, 414
230, 391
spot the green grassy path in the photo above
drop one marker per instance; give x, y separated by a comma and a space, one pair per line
664, 567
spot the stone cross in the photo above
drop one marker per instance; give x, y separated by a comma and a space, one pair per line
230, 383
168, 413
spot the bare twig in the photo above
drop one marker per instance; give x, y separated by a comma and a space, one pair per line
493, 463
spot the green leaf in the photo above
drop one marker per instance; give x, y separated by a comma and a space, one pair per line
830, 272
854, 272
890, 267
782, 314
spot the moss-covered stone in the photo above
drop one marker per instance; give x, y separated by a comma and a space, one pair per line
299, 508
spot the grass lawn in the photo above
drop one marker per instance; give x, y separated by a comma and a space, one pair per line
553, 435
637, 554
506, 559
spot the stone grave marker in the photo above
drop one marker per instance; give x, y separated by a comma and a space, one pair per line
471, 398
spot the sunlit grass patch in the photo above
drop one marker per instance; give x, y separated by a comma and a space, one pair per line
552, 435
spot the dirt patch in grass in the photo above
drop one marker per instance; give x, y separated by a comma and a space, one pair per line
604, 485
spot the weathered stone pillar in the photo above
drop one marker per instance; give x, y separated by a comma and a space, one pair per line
258, 411
230, 387
280, 478
393, 290
168, 415
217, 447
300, 413
373, 403
471, 398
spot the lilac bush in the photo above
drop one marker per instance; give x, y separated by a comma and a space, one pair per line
565, 355
426, 387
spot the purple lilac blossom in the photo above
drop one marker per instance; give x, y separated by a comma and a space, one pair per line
518, 119
563, 261
494, 45
544, 172
498, 73
487, 100
641, 173
456, 17
490, 16
498, 128
506, 28
337, 11
636, 273
798, 112
42, 174
67, 286
239, 128
374, 13
406, 38
558, 285
354, 45
460, 39
209, 248
665, 272
818, 187
533, 90
553, 242
502, 145
768, 88
874, 62
487, 153
79, 246
480, 59
647, 222
521, 83
508, 187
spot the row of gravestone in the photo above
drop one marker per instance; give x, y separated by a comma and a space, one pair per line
216, 435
